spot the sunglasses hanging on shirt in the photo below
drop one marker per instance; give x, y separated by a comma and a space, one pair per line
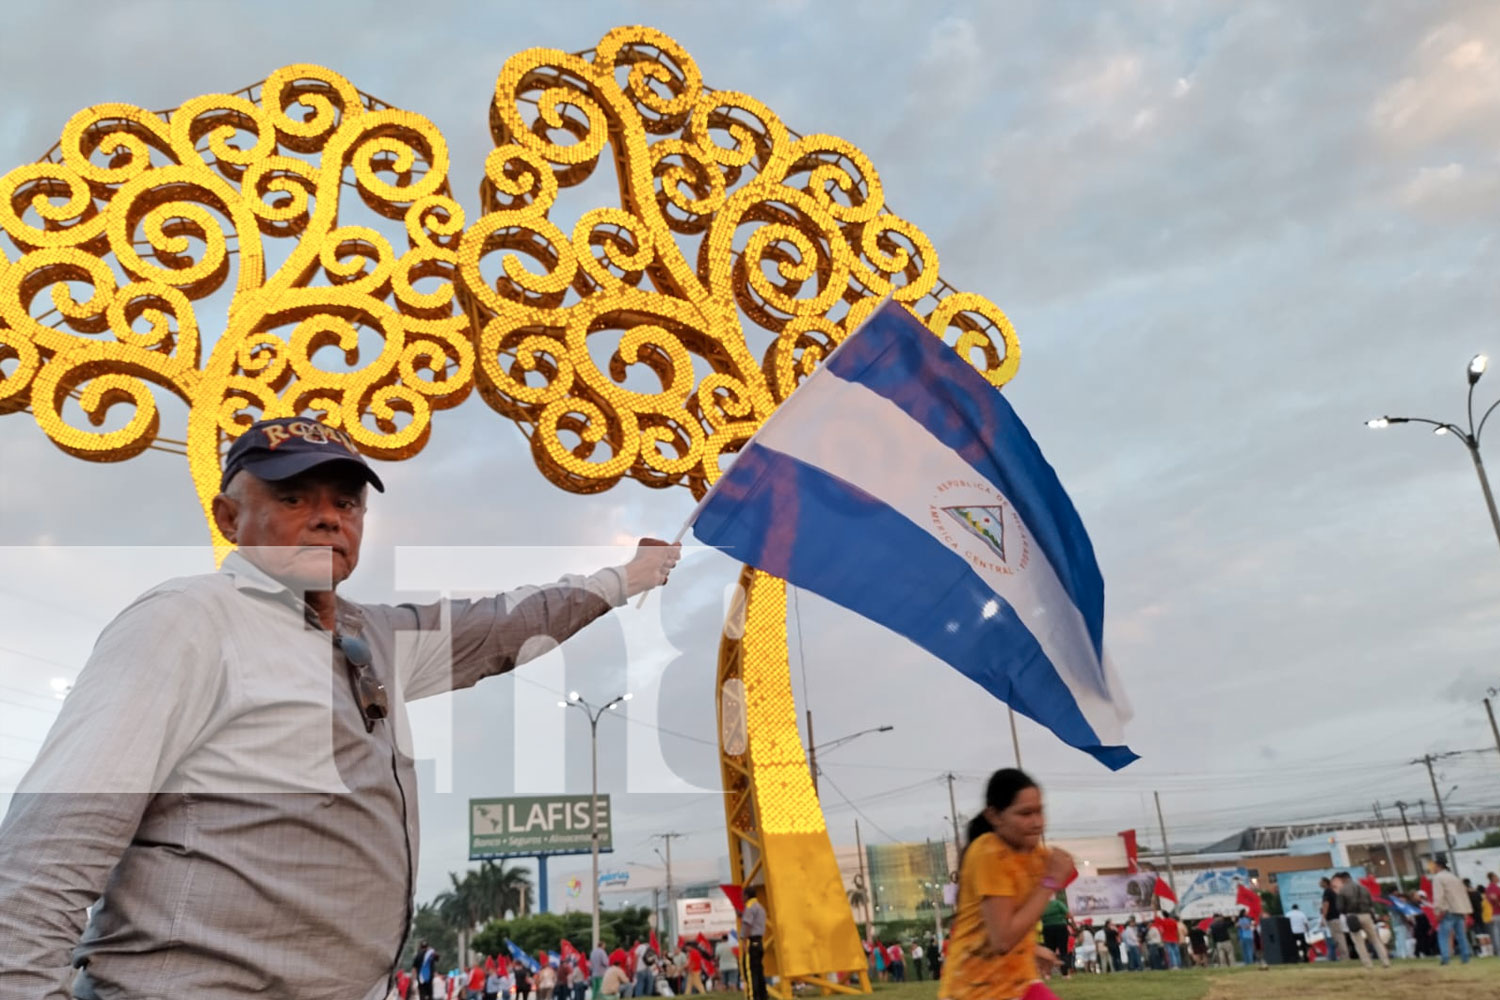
368, 691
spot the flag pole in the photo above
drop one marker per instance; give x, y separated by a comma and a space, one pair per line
1015, 740
698, 508
693, 516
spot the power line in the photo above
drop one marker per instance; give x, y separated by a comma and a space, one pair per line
29, 694
861, 813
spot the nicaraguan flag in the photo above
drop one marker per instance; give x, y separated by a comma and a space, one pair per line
899, 483
520, 956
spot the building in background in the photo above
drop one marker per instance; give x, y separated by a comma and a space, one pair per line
1347, 843
907, 880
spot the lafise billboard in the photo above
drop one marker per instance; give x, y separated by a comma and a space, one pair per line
526, 826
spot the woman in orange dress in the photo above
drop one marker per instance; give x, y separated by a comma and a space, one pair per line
1005, 879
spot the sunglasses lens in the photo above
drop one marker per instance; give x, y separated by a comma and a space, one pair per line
372, 696
356, 649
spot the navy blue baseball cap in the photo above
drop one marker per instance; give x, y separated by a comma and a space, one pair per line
279, 449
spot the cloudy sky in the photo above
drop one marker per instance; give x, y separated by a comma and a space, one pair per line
1227, 233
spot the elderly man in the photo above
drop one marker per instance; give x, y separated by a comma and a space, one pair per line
227, 785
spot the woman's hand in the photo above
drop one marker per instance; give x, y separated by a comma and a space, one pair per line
1046, 960
1059, 864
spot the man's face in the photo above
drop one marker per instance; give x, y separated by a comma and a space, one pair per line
304, 531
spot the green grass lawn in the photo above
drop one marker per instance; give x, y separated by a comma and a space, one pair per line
1414, 980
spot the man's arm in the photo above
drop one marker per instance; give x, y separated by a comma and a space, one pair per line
494, 635
138, 704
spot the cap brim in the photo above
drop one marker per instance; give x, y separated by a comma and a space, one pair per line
274, 468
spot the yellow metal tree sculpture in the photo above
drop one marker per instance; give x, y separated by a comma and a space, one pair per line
654, 336
137, 220
644, 339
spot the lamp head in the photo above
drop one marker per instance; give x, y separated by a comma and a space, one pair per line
1477, 365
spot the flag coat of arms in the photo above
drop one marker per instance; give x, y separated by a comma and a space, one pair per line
897, 482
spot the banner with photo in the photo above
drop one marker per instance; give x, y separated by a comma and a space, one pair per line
1301, 889
1208, 891
1111, 895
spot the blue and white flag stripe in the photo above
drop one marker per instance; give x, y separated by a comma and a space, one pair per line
898, 483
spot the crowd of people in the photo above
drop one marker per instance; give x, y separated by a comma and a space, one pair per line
1161, 942
895, 963
1009, 883
694, 967
1444, 918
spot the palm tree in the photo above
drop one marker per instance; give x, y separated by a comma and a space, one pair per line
481, 896
859, 902
460, 909
502, 889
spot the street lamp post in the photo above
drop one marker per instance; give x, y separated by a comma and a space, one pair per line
577, 701
812, 751
1469, 437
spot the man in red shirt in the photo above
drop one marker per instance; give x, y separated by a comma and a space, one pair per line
476, 981
1170, 938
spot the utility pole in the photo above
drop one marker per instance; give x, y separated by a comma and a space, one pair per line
1442, 814
1426, 826
667, 838
937, 906
1400, 882
1490, 710
1165, 849
859, 847
953, 809
812, 755
1411, 849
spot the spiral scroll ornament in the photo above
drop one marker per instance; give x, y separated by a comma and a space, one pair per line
649, 339
288, 249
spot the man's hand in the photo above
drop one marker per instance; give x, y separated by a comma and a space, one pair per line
651, 566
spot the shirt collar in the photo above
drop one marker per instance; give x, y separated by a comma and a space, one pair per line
250, 578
